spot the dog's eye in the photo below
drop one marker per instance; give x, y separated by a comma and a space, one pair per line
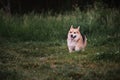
74, 32
70, 31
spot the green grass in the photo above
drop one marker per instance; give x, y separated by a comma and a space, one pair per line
46, 61
33, 46
47, 27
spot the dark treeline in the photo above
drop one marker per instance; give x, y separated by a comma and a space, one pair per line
25, 6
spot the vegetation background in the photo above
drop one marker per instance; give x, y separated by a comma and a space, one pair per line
33, 41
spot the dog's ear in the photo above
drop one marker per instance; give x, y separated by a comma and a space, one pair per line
78, 28
71, 27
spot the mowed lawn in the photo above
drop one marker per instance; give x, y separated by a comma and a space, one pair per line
52, 61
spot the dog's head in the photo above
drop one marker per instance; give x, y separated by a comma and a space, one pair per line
74, 33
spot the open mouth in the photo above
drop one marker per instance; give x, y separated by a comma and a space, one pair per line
73, 36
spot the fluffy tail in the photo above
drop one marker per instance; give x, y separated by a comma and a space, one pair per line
85, 41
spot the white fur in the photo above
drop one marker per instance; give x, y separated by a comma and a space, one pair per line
75, 43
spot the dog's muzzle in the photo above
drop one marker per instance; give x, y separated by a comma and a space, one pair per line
73, 36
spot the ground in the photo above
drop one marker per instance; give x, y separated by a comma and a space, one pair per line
52, 61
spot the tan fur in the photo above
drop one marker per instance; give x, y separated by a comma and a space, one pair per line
75, 40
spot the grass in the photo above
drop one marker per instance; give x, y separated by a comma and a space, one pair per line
41, 61
33, 46
48, 27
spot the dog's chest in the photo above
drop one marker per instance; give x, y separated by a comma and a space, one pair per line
72, 43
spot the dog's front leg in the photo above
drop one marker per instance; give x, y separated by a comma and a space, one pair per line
77, 48
70, 50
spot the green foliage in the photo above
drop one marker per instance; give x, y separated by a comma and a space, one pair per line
46, 27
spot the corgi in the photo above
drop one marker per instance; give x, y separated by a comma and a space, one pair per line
75, 40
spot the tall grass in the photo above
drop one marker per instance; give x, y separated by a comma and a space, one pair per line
96, 22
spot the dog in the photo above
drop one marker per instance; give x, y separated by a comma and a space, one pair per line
75, 40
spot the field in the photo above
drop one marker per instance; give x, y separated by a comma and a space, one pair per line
33, 46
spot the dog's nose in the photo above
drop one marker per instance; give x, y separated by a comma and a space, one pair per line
71, 35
